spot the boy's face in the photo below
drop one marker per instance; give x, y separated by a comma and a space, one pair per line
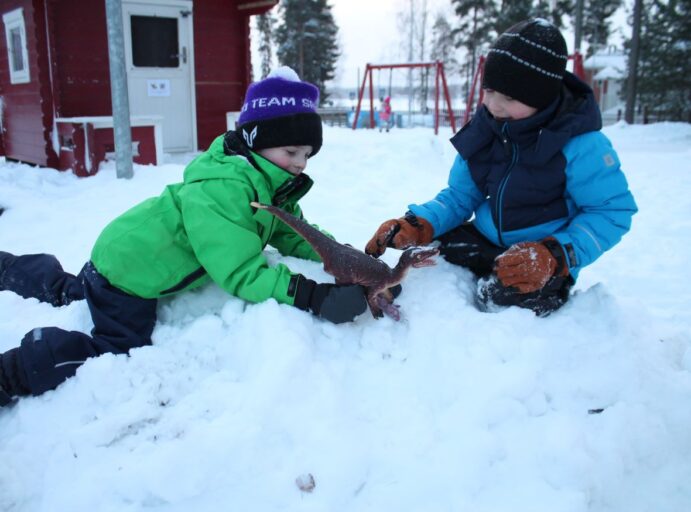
505, 108
291, 158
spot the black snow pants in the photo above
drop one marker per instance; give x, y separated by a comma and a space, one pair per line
467, 247
48, 356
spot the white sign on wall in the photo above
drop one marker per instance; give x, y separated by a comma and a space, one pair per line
158, 87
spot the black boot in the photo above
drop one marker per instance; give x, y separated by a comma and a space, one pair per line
4, 258
13, 383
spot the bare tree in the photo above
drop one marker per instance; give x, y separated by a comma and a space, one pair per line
633, 62
443, 46
413, 24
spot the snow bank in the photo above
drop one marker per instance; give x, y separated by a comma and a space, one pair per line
450, 409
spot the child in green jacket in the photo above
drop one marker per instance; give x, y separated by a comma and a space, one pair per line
203, 229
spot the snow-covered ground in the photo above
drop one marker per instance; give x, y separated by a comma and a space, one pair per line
450, 409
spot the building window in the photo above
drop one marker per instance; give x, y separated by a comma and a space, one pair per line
17, 55
155, 42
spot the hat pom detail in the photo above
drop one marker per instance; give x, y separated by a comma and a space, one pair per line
284, 72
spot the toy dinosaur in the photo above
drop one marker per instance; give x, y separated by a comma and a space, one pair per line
351, 266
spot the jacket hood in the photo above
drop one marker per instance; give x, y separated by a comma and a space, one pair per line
573, 113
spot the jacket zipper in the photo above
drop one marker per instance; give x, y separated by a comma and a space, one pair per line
504, 181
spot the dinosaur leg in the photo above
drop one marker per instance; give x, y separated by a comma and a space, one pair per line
388, 307
374, 307
389, 295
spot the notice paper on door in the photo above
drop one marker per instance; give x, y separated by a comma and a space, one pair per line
158, 87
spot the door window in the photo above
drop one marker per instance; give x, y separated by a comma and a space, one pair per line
155, 42
17, 56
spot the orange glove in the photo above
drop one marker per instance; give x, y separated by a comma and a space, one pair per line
400, 233
528, 266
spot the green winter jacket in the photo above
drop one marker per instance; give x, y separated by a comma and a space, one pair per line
205, 229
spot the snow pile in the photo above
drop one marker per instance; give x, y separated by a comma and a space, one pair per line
236, 405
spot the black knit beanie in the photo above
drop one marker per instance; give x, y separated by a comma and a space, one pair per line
527, 63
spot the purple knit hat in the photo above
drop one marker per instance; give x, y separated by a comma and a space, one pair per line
281, 110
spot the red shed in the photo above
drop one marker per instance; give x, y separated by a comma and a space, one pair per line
188, 63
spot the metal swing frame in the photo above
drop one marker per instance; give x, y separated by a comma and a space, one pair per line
439, 83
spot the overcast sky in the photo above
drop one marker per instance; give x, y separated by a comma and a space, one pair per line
368, 32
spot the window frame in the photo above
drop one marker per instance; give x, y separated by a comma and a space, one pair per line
15, 20
135, 47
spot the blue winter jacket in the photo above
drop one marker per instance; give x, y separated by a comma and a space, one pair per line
552, 174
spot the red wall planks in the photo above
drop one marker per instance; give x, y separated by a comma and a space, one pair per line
68, 58
81, 54
27, 107
221, 38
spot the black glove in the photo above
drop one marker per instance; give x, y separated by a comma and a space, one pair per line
332, 302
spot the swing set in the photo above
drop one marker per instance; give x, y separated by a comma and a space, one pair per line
440, 79
439, 85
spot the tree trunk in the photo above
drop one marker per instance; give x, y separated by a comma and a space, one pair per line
578, 28
633, 62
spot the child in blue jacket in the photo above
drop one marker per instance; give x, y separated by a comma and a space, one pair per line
536, 192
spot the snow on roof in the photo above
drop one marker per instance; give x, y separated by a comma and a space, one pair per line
610, 73
606, 58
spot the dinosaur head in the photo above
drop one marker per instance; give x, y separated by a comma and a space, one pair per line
417, 257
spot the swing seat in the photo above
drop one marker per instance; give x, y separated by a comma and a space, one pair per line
363, 119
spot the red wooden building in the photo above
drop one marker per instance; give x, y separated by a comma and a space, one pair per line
187, 62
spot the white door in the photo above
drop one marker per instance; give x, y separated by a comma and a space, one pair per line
160, 67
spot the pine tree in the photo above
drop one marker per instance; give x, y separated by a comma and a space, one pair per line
514, 11
265, 27
597, 23
307, 42
511, 12
664, 67
475, 30
553, 11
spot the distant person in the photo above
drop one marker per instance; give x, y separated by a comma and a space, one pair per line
536, 192
385, 114
197, 231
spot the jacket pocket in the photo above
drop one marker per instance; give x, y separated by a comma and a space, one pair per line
188, 280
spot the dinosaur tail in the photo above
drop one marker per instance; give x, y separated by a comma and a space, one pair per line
318, 240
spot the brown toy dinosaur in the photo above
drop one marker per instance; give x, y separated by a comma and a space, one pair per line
351, 266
